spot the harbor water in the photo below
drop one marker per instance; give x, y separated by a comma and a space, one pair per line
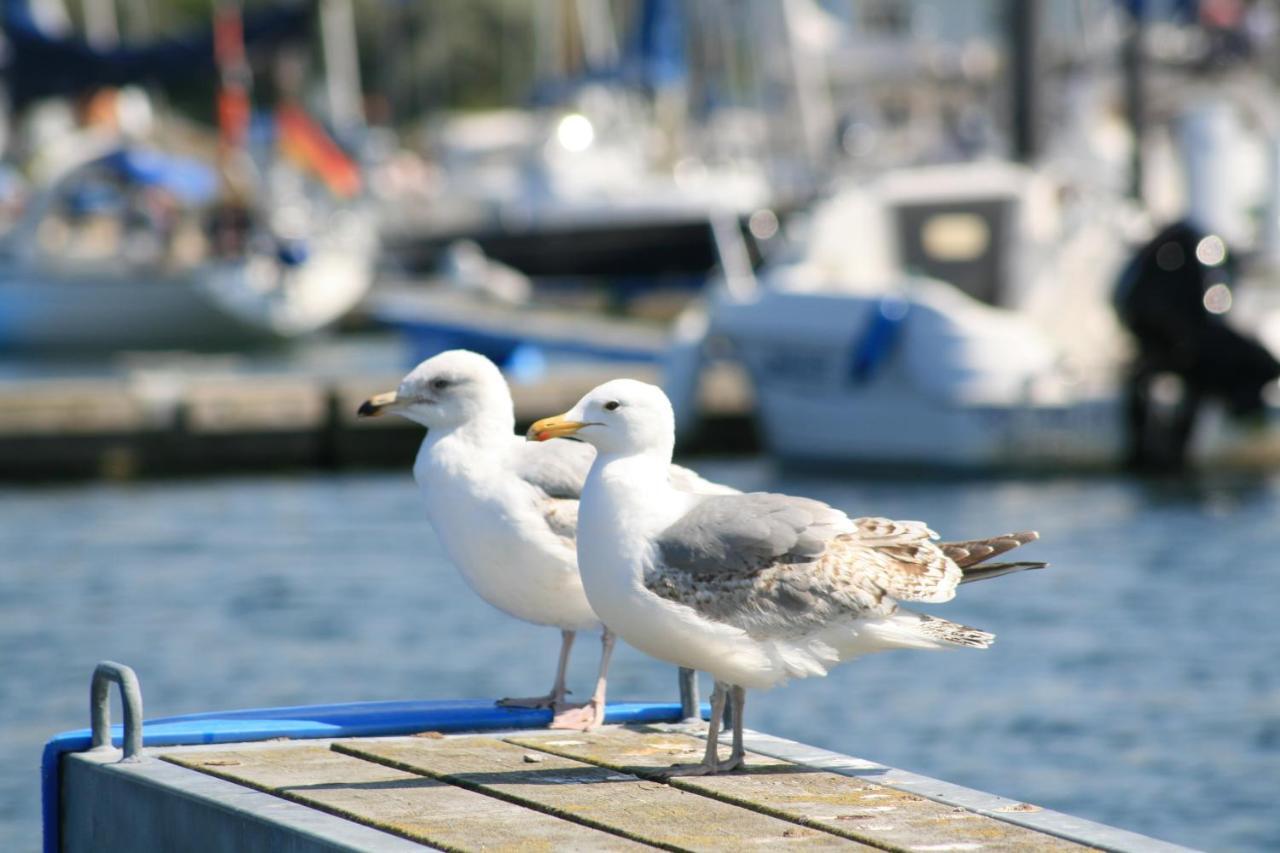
1134, 683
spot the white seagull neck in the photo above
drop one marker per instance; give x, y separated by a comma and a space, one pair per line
632, 492
467, 450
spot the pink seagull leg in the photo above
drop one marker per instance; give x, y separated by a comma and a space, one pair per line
554, 699
591, 713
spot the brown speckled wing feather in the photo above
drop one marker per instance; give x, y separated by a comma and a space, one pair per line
901, 558
974, 551
781, 566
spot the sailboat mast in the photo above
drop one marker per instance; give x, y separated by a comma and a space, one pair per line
234, 77
101, 27
342, 66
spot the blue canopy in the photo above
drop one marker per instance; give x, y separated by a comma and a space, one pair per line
193, 181
657, 45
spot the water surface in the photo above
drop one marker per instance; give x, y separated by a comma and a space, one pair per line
1136, 682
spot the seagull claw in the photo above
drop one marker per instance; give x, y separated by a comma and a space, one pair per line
703, 769
581, 718
690, 726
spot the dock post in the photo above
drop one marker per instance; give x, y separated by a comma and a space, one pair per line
1024, 55
1133, 63
689, 695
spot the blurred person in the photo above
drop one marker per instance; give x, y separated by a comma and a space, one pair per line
1173, 296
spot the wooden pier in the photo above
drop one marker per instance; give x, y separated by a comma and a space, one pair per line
183, 422
537, 790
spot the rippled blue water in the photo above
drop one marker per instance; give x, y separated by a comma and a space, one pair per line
1136, 682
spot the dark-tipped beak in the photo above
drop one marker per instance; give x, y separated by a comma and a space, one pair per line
376, 405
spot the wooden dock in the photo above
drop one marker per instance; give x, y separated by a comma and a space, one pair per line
184, 422
537, 790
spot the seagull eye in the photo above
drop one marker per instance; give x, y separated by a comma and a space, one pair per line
611, 405
439, 384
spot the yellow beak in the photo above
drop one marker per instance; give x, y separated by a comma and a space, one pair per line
376, 405
553, 427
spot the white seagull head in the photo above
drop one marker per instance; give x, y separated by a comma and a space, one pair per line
454, 389
622, 417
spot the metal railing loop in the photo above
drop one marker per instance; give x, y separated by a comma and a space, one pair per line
100, 708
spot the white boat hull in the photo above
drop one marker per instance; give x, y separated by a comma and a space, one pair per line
106, 280
923, 407
904, 431
215, 305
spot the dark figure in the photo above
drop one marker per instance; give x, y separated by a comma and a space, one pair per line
230, 224
1173, 297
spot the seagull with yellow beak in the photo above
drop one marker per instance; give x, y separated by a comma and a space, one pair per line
752, 588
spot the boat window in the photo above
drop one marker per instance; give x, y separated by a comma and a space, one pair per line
962, 242
955, 236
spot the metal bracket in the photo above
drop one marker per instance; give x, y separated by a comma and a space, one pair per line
100, 708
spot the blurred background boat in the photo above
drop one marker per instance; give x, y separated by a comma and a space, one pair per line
962, 316
139, 230
603, 176
124, 251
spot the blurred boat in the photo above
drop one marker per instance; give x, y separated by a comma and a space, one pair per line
520, 337
570, 193
603, 177
132, 248
186, 240
954, 317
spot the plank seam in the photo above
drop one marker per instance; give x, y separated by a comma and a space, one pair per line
655, 774
1139, 842
477, 788
313, 804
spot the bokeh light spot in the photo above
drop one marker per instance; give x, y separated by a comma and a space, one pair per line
1211, 251
1217, 299
763, 224
575, 132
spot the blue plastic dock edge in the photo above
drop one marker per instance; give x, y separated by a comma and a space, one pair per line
359, 719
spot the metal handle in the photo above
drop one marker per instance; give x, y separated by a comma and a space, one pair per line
100, 707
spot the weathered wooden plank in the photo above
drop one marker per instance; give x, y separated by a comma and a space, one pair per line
644, 810
229, 405
157, 807
70, 407
854, 808
407, 804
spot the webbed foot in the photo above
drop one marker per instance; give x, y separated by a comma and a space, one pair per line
581, 718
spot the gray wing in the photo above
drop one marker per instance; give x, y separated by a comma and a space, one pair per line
555, 471
746, 533
776, 565
557, 468
758, 562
